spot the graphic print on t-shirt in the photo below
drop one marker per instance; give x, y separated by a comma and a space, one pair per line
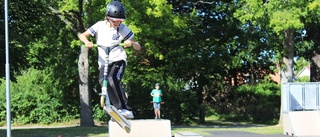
116, 36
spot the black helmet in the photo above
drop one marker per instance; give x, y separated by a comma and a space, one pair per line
157, 84
115, 9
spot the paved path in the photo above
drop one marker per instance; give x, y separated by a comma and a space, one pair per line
240, 134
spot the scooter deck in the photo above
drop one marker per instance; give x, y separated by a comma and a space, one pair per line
118, 117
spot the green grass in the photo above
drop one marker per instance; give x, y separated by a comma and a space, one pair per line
72, 130
98, 131
213, 123
102, 131
257, 130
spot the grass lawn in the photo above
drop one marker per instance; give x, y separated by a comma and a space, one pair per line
98, 131
64, 130
102, 131
257, 130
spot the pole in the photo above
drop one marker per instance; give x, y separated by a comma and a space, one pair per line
7, 69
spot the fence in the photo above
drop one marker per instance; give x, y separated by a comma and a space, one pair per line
300, 96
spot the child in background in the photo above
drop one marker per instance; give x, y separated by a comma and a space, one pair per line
156, 94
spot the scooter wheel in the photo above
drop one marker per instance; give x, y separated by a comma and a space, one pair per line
127, 129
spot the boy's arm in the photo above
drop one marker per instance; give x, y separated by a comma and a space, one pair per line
84, 38
133, 43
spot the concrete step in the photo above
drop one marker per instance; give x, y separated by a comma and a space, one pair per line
142, 128
187, 134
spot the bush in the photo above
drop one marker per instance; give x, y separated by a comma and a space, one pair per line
99, 114
34, 99
304, 79
256, 103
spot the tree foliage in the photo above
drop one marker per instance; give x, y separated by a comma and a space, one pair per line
25, 22
35, 101
205, 54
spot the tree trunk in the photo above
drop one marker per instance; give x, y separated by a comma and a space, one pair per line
83, 67
287, 62
315, 67
287, 59
85, 97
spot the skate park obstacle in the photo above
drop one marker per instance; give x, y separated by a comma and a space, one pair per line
300, 108
142, 128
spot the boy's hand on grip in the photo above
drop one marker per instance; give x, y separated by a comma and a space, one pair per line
89, 44
127, 44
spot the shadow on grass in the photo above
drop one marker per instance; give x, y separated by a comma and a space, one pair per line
76, 131
219, 123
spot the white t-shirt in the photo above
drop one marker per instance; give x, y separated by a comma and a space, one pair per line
108, 37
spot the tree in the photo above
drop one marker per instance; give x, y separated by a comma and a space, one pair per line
218, 49
21, 32
300, 64
35, 41
281, 18
143, 25
309, 41
72, 13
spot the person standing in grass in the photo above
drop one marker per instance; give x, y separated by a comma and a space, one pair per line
156, 94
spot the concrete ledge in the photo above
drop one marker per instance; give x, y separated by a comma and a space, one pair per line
302, 123
187, 134
142, 128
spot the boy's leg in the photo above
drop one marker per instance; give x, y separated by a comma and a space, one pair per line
116, 73
112, 90
159, 116
117, 96
157, 109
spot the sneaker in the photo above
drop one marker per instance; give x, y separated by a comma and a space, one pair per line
127, 114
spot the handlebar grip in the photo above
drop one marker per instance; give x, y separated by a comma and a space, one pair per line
96, 45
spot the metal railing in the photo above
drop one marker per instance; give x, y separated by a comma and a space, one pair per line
300, 96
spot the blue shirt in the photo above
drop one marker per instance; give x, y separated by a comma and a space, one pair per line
156, 95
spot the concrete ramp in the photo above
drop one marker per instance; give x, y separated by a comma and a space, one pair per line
142, 128
302, 123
